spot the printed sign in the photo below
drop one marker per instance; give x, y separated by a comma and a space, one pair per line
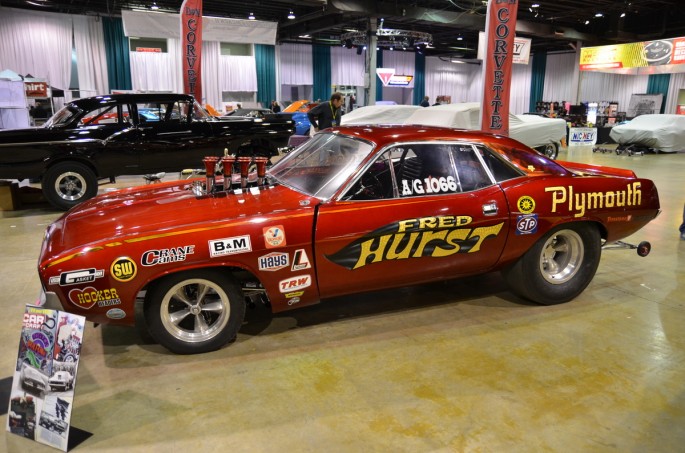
230, 246
42, 393
582, 136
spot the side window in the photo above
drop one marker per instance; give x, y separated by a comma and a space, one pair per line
470, 173
150, 112
179, 111
427, 169
500, 169
376, 183
102, 115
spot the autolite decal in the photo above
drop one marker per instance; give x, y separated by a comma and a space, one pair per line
295, 283
87, 297
435, 237
577, 203
163, 256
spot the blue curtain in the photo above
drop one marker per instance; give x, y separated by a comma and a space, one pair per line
379, 84
658, 83
537, 79
265, 60
321, 60
116, 51
419, 78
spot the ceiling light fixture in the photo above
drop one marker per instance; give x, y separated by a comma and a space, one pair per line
154, 6
623, 14
587, 22
291, 15
599, 15
251, 16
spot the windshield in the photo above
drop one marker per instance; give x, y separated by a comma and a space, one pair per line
321, 165
63, 116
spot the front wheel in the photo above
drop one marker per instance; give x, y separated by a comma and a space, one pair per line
559, 266
68, 184
550, 150
194, 312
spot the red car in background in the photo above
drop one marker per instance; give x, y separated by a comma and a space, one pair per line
357, 208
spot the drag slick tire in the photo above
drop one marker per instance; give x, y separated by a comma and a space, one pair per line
69, 183
559, 266
195, 311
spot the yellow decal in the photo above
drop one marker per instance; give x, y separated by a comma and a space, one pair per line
526, 204
578, 203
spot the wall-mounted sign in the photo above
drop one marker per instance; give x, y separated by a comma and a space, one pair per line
149, 49
520, 55
389, 78
36, 89
633, 55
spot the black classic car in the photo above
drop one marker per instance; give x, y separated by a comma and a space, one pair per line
128, 134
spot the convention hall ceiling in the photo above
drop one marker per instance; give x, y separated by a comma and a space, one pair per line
553, 25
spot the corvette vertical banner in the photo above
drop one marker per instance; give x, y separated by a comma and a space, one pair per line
191, 41
500, 29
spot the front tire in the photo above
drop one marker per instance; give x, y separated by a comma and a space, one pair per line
69, 183
550, 150
194, 312
559, 266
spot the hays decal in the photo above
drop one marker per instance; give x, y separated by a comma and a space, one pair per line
434, 237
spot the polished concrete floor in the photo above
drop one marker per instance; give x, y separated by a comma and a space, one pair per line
461, 366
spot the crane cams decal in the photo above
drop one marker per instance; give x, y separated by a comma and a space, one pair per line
163, 256
435, 237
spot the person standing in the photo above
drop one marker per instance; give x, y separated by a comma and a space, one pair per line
275, 107
425, 102
326, 114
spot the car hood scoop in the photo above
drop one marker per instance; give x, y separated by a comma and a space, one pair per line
162, 208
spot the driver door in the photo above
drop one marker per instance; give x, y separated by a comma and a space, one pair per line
420, 212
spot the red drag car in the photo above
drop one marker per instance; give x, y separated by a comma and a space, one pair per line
354, 209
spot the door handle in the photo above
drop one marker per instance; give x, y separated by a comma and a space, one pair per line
490, 208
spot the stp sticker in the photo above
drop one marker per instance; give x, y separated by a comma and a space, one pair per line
527, 224
273, 261
274, 236
123, 269
230, 246
295, 283
300, 261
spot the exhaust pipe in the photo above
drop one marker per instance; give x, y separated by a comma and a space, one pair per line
244, 163
261, 169
227, 162
210, 168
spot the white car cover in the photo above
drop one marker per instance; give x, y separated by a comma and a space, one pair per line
531, 130
378, 114
665, 133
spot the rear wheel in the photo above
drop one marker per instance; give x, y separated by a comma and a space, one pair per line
550, 150
559, 266
69, 183
194, 312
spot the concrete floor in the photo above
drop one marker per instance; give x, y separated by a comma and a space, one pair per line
461, 366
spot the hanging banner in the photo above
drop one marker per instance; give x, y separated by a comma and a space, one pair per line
500, 27
191, 42
42, 394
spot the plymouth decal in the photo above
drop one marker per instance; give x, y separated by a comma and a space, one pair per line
579, 202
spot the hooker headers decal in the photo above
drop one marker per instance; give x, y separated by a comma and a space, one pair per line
415, 238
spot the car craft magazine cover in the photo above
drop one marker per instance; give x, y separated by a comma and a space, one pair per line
42, 395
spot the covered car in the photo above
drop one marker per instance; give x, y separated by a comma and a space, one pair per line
103, 137
354, 209
540, 133
665, 133
379, 114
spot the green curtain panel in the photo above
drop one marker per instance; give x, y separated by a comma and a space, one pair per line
265, 60
537, 79
658, 83
116, 50
419, 78
379, 84
321, 60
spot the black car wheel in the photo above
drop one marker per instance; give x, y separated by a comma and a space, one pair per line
68, 184
550, 150
194, 312
559, 266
